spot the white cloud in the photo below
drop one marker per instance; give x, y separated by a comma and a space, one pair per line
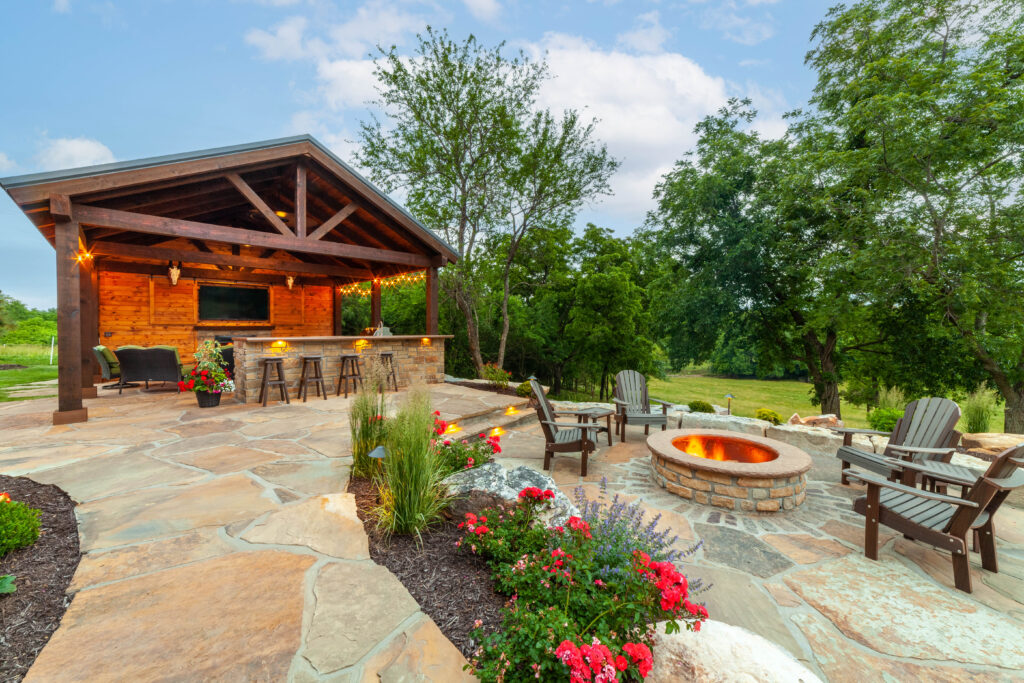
6, 163
62, 6
60, 153
377, 22
286, 41
648, 35
737, 24
484, 10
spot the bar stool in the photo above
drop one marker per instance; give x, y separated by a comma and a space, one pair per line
312, 373
349, 370
387, 358
268, 365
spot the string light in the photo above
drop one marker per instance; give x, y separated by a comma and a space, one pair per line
400, 280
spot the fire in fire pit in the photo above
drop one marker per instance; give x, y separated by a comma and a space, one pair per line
723, 449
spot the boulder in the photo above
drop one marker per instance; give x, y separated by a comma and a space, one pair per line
491, 484
828, 420
815, 440
991, 441
721, 653
732, 423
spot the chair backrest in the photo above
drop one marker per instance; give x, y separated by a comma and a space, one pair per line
545, 413
631, 387
101, 358
991, 489
927, 423
153, 364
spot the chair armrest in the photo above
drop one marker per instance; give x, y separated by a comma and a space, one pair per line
571, 412
664, 403
910, 450
574, 425
619, 401
874, 480
926, 467
853, 430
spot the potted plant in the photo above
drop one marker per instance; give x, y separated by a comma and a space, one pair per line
208, 379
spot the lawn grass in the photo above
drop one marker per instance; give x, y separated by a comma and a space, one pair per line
34, 373
26, 354
783, 396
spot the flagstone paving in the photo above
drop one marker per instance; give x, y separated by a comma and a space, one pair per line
800, 579
219, 545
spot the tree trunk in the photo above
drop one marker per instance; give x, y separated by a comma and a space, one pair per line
821, 367
1014, 412
556, 384
472, 330
504, 320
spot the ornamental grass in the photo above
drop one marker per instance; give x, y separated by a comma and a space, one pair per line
409, 478
368, 419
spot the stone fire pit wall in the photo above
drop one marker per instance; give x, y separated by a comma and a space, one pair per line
729, 492
419, 360
771, 486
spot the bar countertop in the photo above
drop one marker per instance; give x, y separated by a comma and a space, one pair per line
397, 337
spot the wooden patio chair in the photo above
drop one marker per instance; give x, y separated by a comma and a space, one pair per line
927, 430
938, 519
633, 404
564, 437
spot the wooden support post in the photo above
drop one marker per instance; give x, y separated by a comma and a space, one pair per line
431, 284
89, 304
336, 296
375, 303
300, 200
69, 325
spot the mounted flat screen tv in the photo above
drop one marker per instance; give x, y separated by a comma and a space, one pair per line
217, 302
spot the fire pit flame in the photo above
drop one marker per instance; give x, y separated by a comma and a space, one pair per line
723, 449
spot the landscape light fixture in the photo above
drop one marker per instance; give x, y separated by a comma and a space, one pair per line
728, 406
379, 452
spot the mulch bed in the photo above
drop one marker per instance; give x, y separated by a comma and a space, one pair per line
452, 587
29, 616
12, 366
505, 391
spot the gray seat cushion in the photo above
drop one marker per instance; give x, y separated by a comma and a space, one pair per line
568, 435
933, 514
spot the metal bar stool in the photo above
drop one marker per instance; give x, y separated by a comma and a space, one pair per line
312, 373
349, 370
280, 382
388, 359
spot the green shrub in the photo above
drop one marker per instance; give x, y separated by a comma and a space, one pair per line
409, 479
368, 419
701, 407
884, 419
19, 525
495, 376
524, 390
893, 397
769, 415
455, 453
978, 409
7, 584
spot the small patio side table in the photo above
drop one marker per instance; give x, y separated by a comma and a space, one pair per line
595, 414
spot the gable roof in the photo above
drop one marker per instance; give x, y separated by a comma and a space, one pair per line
32, 191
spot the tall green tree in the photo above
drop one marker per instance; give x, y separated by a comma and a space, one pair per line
759, 228
928, 99
466, 142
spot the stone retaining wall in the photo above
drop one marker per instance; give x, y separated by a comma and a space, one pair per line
418, 360
730, 492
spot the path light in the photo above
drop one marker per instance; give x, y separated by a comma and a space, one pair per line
728, 406
497, 431
453, 428
511, 410
379, 452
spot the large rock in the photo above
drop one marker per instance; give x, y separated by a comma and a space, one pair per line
815, 440
828, 420
491, 484
732, 423
720, 653
991, 441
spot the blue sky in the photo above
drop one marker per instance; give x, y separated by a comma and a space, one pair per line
92, 81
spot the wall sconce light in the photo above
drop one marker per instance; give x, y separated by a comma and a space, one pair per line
290, 281
173, 271
361, 344
425, 341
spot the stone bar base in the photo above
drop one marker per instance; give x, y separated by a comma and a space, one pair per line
418, 360
730, 492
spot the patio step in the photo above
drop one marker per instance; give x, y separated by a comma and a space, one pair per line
485, 420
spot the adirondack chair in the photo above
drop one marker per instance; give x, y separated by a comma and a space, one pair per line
633, 404
937, 519
564, 437
926, 431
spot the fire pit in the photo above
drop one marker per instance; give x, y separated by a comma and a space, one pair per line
730, 470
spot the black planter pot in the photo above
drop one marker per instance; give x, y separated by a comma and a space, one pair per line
207, 399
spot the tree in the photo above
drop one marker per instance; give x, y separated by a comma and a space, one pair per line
759, 229
475, 158
928, 98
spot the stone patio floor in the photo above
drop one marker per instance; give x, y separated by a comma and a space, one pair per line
217, 545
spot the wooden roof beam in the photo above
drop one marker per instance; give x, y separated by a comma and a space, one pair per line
258, 202
172, 227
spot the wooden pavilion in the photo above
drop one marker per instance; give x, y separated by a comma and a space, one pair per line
284, 215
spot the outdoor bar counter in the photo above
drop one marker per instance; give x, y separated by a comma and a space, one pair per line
418, 359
